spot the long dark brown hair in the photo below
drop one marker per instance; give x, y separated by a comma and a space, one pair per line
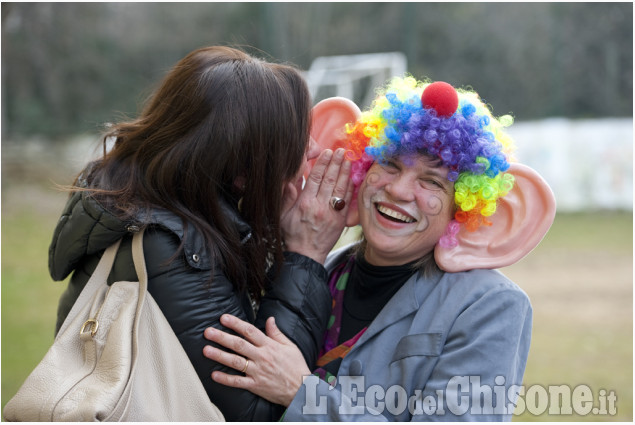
219, 114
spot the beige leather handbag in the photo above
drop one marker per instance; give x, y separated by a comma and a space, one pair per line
115, 358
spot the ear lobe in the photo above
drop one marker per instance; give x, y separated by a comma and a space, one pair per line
329, 117
522, 219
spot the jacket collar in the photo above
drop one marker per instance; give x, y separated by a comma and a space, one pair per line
87, 228
195, 247
407, 300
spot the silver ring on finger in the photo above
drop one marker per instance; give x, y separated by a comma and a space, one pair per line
337, 204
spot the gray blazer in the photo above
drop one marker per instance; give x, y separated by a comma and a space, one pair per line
452, 347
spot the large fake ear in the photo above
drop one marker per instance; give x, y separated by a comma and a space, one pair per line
329, 117
522, 219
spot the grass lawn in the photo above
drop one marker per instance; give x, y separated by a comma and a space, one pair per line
579, 280
29, 296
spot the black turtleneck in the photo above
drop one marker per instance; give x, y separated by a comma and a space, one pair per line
368, 290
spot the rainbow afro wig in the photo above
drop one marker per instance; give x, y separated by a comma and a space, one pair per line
411, 117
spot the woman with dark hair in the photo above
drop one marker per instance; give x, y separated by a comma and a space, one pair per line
212, 169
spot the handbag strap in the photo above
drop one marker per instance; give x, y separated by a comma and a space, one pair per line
98, 278
139, 261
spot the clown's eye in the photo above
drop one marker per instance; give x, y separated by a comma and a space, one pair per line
431, 184
390, 167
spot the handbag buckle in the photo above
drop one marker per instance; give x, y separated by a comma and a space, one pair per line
92, 324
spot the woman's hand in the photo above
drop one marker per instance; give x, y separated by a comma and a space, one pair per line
274, 365
311, 226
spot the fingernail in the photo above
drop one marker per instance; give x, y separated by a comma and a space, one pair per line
327, 153
339, 154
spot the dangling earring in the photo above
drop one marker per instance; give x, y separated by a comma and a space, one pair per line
240, 201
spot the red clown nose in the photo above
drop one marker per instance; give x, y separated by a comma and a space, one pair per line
441, 97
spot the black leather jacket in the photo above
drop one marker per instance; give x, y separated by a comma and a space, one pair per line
299, 298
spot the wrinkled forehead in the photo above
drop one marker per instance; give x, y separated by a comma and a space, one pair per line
421, 161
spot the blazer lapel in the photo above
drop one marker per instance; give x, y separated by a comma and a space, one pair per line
406, 301
403, 303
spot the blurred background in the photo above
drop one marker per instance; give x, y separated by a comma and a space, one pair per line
563, 70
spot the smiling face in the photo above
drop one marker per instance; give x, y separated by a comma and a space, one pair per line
404, 207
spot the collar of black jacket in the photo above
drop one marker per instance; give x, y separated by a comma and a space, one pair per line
86, 228
195, 247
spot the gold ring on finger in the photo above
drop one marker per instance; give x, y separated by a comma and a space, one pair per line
246, 366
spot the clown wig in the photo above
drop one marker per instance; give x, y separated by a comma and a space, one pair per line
412, 117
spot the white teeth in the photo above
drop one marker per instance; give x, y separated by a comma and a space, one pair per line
395, 214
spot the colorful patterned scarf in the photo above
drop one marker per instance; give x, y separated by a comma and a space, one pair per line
332, 353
